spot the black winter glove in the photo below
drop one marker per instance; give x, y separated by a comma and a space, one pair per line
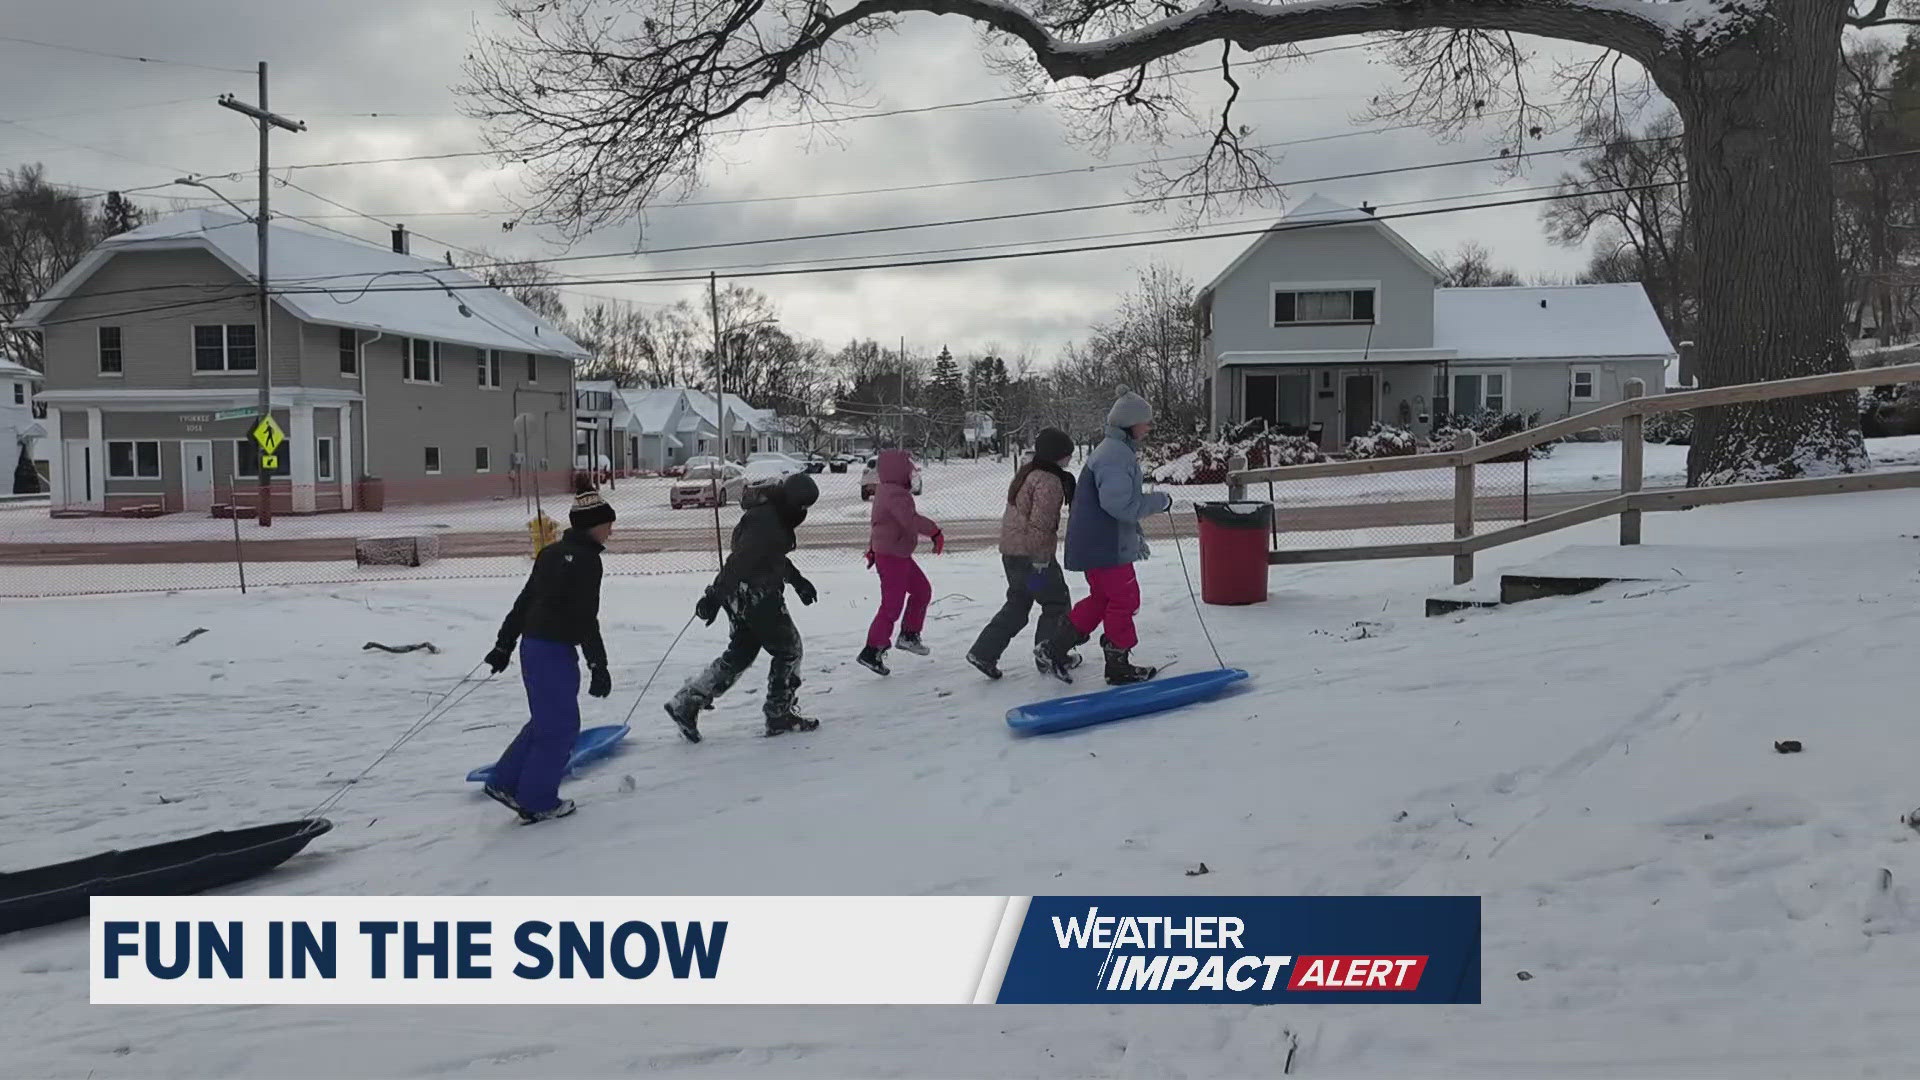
601, 684
498, 659
708, 609
804, 589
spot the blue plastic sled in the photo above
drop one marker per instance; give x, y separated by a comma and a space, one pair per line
1120, 702
589, 746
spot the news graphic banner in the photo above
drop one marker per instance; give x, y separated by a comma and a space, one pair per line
783, 950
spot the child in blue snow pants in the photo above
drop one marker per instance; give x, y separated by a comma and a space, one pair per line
532, 766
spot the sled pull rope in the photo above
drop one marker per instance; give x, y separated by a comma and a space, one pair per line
435, 710
1191, 595
657, 667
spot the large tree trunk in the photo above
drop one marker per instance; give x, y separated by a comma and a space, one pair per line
1759, 135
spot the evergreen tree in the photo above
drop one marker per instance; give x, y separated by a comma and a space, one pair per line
949, 398
120, 215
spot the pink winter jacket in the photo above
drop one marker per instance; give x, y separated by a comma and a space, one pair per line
897, 526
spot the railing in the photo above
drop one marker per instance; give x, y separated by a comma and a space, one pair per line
1629, 505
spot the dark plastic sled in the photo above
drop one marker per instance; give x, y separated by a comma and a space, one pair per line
56, 893
1120, 702
589, 746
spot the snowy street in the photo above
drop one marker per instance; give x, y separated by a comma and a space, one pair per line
1683, 900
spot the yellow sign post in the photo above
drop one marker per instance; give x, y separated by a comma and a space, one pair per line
544, 530
270, 438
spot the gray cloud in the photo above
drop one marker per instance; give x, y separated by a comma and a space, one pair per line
145, 123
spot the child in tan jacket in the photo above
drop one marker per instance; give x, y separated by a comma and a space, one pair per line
1029, 536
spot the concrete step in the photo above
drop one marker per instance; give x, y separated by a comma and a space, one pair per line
1474, 595
1584, 568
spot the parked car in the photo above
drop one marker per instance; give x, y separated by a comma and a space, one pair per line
698, 487
776, 457
816, 463
839, 462
870, 478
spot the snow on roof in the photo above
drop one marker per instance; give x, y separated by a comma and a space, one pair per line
1318, 211
1544, 322
653, 408
347, 272
701, 403
10, 369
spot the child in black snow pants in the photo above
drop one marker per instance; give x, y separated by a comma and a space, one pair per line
751, 589
558, 611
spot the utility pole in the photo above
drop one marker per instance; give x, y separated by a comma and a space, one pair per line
720, 415
263, 355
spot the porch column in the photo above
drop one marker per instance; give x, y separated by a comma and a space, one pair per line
56, 462
343, 459
300, 440
96, 461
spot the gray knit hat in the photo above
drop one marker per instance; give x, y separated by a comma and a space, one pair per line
1129, 409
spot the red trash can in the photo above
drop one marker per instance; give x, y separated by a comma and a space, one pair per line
1233, 551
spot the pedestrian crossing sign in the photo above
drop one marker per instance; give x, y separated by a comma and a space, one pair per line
269, 436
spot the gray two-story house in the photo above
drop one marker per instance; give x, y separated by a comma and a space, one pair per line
1330, 322
393, 377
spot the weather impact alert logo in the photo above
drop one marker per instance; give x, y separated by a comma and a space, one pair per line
1246, 949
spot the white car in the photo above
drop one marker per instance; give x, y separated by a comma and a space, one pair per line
775, 457
870, 479
698, 486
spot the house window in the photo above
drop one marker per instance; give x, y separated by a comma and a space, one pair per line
482, 459
224, 348
110, 356
349, 352
490, 369
1586, 383
246, 460
19, 393
533, 370
133, 460
323, 458
433, 461
423, 361
1309, 306
1469, 393
1283, 400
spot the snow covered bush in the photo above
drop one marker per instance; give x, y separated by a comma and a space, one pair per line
1204, 461
1672, 428
1384, 440
1490, 426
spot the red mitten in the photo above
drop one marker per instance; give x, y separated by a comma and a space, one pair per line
869, 558
939, 542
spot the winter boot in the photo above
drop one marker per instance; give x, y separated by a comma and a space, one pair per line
684, 710
984, 666
1120, 670
1045, 665
912, 643
501, 797
1058, 652
874, 660
563, 808
789, 720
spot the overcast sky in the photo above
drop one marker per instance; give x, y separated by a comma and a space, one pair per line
107, 123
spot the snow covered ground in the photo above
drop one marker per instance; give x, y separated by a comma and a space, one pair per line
1600, 769
952, 491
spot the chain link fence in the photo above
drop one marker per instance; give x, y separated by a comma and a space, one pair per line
453, 534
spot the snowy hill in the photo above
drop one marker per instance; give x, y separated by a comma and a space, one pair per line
1684, 900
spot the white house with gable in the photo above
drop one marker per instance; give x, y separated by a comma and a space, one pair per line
1330, 322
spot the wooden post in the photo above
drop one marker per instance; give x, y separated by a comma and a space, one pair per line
1463, 507
1236, 491
1632, 455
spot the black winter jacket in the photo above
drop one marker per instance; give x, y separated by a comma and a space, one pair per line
561, 600
758, 562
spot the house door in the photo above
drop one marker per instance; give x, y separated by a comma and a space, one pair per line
1358, 404
77, 473
196, 475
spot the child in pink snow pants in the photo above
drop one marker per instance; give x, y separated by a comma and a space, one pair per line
897, 529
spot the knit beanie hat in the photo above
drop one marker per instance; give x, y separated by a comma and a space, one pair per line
589, 510
1129, 409
1051, 445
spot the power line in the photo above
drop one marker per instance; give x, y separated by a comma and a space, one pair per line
121, 56
825, 120
1030, 214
